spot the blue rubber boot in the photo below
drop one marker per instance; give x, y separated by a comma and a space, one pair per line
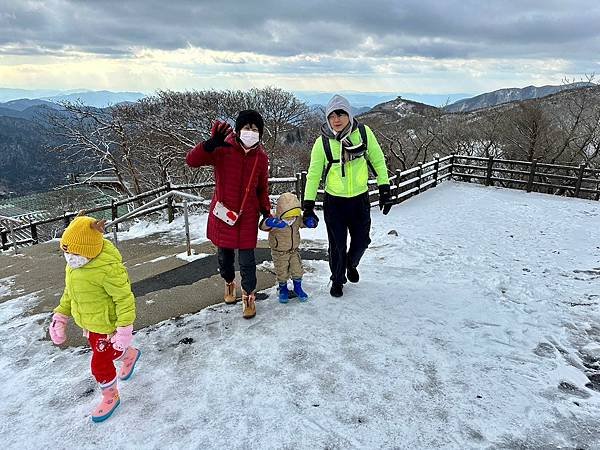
302, 296
284, 294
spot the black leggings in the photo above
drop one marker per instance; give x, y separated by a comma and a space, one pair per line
342, 216
247, 267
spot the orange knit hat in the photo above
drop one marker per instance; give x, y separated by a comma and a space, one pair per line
81, 238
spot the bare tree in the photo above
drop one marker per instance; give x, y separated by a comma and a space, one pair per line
93, 136
579, 124
145, 143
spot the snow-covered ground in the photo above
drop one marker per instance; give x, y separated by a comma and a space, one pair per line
470, 328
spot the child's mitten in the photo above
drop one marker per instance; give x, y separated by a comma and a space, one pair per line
58, 328
121, 340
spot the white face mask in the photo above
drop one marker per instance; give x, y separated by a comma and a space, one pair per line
76, 261
249, 138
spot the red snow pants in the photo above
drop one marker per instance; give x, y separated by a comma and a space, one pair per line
103, 357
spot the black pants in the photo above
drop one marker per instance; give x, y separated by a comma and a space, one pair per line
247, 267
343, 215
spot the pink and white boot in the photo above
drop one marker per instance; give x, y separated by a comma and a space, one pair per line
108, 404
128, 359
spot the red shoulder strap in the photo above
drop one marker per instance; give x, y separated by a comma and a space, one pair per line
249, 181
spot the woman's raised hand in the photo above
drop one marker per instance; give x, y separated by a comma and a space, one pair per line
218, 134
220, 131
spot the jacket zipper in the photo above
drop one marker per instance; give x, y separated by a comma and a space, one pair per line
292, 236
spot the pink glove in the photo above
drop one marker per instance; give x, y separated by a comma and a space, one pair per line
58, 328
121, 340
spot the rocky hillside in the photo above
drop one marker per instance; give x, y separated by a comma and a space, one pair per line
561, 128
25, 164
398, 109
500, 96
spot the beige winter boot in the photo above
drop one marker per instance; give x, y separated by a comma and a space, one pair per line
249, 305
230, 297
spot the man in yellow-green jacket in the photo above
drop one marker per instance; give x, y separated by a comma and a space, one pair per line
343, 156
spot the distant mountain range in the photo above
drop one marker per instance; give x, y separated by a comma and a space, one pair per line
26, 108
362, 100
510, 95
99, 99
8, 94
25, 165
21, 99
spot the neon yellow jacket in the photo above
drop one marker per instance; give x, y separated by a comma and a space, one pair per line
356, 171
98, 295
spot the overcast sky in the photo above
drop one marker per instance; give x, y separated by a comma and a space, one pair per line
421, 46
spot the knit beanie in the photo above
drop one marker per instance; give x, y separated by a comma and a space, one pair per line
338, 102
81, 239
249, 116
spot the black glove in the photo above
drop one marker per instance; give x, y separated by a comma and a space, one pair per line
218, 133
309, 218
385, 198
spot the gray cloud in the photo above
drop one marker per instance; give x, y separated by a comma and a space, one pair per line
428, 28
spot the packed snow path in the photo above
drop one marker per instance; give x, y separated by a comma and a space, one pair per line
475, 325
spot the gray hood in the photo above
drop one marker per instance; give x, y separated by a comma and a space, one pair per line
338, 102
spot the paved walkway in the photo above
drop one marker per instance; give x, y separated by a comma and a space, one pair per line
165, 286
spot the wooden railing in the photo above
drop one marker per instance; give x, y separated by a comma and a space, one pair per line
45, 229
575, 181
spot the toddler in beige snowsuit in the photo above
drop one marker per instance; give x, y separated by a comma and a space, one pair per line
284, 240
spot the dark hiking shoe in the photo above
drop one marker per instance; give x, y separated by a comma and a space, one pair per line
336, 290
352, 275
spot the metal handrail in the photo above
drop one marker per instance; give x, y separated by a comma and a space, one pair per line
10, 218
146, 207
12, 231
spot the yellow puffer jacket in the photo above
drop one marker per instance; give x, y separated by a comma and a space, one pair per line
98, 295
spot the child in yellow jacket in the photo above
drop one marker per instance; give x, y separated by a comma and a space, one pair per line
98, 296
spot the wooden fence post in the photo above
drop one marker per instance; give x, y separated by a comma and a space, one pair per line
13, 236
4, 239
488, 175
531, 175
298, 185
451, 168
34, 233
170, 209
66, 220
436, 167
419, 173
579, 179
398, 177
187, 227
114, 213
302, 185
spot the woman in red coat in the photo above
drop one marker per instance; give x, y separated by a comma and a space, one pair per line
242, 191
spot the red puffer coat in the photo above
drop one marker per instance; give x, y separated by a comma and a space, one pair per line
233, 168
